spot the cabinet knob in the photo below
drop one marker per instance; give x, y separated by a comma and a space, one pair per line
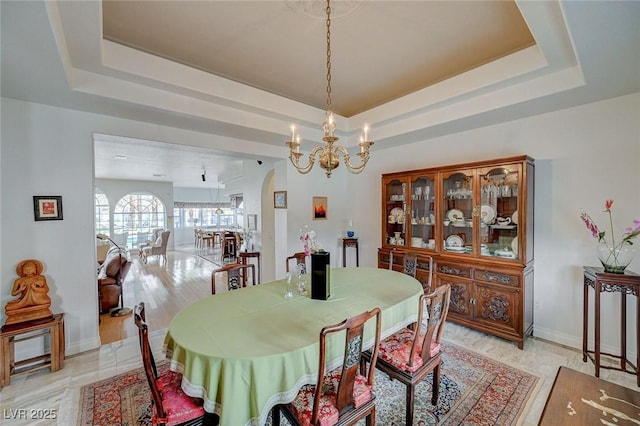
476, 211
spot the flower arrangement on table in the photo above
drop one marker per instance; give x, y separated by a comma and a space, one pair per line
309, 242
614, 256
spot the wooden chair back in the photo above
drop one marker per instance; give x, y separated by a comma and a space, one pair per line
436, 304
148, 362
300, 259
349, 376
354, 338
232, 277
229, 246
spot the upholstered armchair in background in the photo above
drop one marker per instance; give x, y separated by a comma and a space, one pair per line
158, 248
155, 234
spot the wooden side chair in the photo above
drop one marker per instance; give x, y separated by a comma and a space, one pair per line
232, 277
409, 262
410, 355
229, 246
171, 406
344, 395
300, 259
206, 238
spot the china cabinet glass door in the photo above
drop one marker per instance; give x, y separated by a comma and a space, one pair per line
499, 216
395, 208
423, 215
457, 211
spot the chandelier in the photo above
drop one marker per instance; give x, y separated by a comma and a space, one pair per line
328, 153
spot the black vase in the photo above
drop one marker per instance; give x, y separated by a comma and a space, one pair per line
320, 277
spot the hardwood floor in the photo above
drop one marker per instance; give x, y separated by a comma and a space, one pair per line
165, 287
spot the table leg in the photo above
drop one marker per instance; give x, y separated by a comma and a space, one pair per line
344, 255
585, 320
596, 353
357, 255
637, 339
623, 331
5, 364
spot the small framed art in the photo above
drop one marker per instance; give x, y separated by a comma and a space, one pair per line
280, 199
252, 222
319, 208
47, 207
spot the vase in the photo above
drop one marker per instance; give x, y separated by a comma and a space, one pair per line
320, 276
615, 259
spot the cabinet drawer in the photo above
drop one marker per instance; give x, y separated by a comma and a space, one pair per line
496, 277
453, 269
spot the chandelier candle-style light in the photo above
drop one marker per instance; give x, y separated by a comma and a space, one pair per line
328, 152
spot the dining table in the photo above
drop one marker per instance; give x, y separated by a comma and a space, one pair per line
246, 350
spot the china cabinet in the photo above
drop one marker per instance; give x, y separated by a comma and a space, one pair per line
476, 221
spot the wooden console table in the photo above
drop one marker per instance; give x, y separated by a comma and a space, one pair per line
600, 281
54, 327
349, 242
244, 258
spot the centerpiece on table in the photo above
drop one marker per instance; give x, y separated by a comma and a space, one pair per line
320, 265
614, 254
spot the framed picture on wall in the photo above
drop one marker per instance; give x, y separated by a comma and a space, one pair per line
47, 207
320, 208
252, 222
280, 199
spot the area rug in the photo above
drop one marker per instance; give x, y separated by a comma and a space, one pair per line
474, 390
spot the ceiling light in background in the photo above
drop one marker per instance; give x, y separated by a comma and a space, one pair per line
328, 152
120, 157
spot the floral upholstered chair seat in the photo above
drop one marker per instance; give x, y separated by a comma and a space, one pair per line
178, 406
302, 406
396, 348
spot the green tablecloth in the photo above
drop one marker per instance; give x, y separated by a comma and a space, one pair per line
246, 350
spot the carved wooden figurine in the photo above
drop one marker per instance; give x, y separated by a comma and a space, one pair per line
34, 302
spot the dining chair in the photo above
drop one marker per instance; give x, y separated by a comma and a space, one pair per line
343, 395
206, 238
409, 262
232, 277
229, 246
300, 259
411, 354
170, 405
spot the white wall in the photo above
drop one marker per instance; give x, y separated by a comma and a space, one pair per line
584, 155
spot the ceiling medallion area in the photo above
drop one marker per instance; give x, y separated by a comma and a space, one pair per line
317, 9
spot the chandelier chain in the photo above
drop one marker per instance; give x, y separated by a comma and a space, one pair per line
329, 153
328, 55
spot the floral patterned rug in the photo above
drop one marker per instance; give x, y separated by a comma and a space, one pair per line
474, 390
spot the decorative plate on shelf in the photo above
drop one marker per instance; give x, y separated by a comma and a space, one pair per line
455, 215
487, 214
514, 245
455, 241
456, 249
514, 217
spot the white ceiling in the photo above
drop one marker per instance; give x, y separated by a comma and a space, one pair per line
54, 53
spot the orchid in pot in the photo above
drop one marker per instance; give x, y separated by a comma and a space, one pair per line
614, 254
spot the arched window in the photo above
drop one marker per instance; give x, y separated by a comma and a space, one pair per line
135, 217
102, 214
